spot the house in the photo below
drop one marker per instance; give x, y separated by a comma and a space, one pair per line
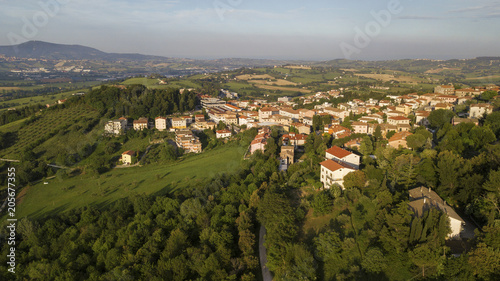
398, 120
222, 134
266, 112
423, 199
333, 172
260, 140
294, 139
230, 119
116, 127
360, 127
199, 118
161, 123
291, 113
353, 143
445, 90
286, 157
448, 98
302, 128
128, 157
178, 123
342, 155
421, 117
141, 124
186, 140
456, 120
399, 139
478, 110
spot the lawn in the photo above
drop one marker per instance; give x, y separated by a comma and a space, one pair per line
59, 196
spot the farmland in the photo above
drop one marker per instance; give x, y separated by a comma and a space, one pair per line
45, 126
58, 196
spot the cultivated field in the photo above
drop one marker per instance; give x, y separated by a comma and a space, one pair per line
48, 124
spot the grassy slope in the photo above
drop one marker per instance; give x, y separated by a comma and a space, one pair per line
83, 190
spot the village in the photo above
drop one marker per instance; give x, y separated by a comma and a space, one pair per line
394, 118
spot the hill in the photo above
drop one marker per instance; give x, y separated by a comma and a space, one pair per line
45, 50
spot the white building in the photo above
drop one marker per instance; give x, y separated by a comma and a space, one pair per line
161, 123
342, 155
333, 172
423, 199
116, 127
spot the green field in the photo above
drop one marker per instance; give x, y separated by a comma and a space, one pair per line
44, 199
12, 126
154, 83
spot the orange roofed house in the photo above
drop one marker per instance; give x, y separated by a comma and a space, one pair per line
128, 157
342, 155
260, 141
399, 139
333, 172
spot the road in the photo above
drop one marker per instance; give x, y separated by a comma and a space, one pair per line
266, 274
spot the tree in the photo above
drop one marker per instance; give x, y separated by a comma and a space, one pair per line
488, 95
438, 118
450, 168
355, 179
416, 141
366, 147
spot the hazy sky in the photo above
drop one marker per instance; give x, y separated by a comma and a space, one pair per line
291, 29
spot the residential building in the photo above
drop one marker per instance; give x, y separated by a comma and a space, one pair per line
161, 123
342, 155
399, 140
178, 123
116, 127
186, 140
294, 139
478, 110
128, 157
141, 124
260, 140
266, 112
222, 134
333, 172
397, 120
445, 90
286, 157
423, 199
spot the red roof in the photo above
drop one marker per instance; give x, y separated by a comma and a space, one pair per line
334, 166
338, 152
223, 132
129, 152
399, 118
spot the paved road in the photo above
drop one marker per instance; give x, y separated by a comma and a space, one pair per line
266, 274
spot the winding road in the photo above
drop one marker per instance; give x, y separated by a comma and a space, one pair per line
266, 273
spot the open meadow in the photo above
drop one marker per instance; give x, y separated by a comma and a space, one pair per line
58, 196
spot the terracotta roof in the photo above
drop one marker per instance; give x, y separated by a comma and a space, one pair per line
129, 152
399, 118
400, 136
334, 166
338, 152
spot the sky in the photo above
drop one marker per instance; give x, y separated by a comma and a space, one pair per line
272, 29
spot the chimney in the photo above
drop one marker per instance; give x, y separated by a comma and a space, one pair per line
429, 190
425, 200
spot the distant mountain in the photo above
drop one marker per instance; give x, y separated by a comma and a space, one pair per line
45, 50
